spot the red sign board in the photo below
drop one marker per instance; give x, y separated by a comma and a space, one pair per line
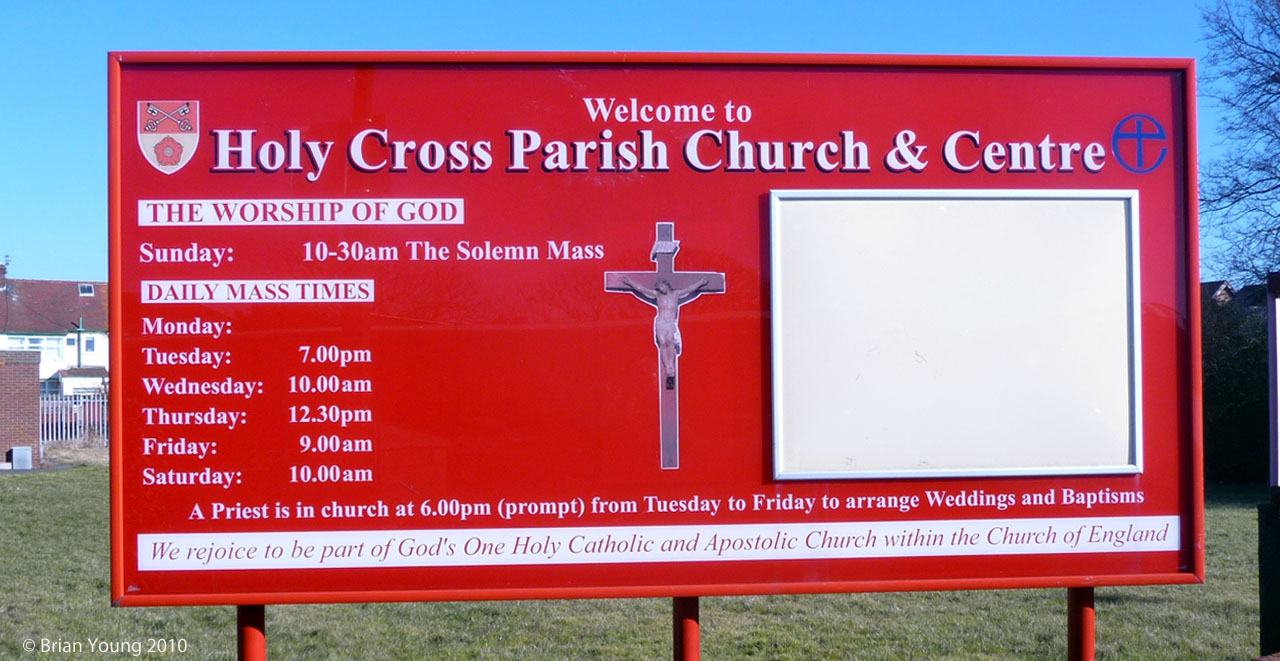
486, 326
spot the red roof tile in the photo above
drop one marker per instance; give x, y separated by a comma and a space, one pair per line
91, 372
51, 306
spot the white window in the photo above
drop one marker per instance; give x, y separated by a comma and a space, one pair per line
52, 346
89, 344
86, 290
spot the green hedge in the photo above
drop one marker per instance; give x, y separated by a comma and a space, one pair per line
1235, 393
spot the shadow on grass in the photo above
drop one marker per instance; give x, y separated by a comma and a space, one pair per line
1117, 598
1235, 495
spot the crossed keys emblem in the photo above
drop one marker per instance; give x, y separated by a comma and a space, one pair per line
178, 116
168, 132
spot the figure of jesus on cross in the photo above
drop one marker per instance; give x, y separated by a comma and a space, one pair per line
666, 289
666, 331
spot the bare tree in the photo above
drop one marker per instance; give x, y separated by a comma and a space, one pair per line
1240, 193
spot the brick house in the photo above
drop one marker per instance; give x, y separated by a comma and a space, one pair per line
1217, 291
65, 321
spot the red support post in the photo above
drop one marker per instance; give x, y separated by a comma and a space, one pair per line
1080, 634
251, 633
684, 624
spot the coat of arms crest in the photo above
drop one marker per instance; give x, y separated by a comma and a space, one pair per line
168, 132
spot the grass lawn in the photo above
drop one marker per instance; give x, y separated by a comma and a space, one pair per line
54, 584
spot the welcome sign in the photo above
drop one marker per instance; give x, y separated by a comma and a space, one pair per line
490, 326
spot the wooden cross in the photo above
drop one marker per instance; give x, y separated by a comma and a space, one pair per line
666, 289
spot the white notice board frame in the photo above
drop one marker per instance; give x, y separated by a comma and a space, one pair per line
1036, 372
1273, 377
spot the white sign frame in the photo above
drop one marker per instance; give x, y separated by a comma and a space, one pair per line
812, 378
1273, 376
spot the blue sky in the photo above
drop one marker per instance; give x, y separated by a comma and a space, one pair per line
53, 174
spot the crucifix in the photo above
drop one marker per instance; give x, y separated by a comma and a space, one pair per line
666, 289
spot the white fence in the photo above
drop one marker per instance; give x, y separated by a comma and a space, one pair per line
78, 419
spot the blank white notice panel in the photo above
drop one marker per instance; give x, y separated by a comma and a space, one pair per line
936, 333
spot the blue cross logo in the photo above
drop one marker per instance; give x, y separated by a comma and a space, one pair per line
1140, 129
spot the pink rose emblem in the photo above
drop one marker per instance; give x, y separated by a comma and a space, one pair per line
168, 152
